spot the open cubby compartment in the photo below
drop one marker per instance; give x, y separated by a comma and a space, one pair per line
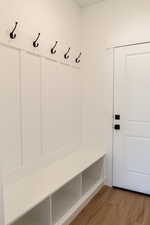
39, 215
65, 198
93, 175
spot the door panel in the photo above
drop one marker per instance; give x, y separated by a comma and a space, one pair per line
138, 88
141, 147
131, 101
10, 139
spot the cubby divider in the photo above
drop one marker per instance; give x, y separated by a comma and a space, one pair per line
65, 198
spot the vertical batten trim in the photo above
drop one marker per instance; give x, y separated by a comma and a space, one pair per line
21, 107
2, 222
1, 205
41, 104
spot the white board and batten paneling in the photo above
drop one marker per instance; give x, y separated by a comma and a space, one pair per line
40, 120
132, 141
28, 110
40, 110
40, 125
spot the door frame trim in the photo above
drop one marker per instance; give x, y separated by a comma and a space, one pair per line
133, 44
113, 110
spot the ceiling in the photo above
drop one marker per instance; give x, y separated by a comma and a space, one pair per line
84, 3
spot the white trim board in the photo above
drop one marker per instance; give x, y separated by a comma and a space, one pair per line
1, 204
128, 44
40, 53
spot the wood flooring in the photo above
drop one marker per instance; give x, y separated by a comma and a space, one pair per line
115, 207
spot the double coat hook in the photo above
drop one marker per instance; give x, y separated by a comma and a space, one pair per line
35, 43
12, 34
53, 49
77, 60
66, 56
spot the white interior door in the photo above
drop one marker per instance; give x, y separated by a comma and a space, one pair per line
132, 103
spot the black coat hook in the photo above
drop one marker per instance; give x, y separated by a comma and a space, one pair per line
53, 51
66, 56
78, 58
35, 43
12, 34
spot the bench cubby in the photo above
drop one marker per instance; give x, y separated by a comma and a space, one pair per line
65, 198
92, 175
39, 215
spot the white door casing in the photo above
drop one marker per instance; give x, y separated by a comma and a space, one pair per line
131, 166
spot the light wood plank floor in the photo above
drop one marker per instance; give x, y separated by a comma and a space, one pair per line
116, 207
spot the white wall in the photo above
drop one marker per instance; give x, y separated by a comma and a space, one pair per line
35, 84
56, 20
106, 24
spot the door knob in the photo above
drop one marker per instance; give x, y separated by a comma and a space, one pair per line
117, 127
